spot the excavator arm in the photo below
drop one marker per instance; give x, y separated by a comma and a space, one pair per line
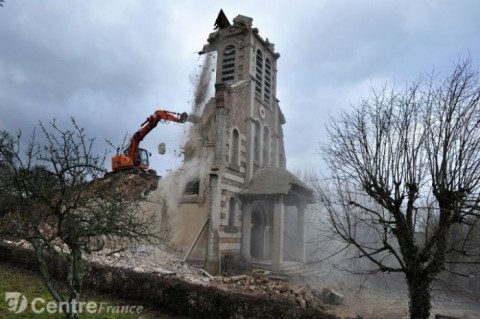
149, 124
131, 158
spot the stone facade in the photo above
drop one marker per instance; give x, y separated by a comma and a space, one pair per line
238, 146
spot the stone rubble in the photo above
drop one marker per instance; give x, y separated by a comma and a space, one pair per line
332, 297
155, 261
150, 260
258, 282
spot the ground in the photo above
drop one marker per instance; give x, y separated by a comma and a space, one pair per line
378, 297
13, 279
384, 296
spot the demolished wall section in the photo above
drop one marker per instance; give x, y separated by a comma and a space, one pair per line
186, 191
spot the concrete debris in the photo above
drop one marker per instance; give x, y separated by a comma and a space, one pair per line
206, 273
258, 282
148, 259
151, 260
301, 302
131, 184
332, 297
162, 271
237, 278
192, 118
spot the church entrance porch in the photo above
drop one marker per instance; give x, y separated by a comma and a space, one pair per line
263, 224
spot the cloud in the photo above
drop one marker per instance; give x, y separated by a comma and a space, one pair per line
110, 64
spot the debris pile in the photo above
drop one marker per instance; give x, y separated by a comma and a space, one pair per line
258, 282
332, 297
130, 185
150, 260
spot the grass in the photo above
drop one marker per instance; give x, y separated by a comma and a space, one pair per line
31, 286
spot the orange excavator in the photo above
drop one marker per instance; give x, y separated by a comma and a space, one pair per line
135, 157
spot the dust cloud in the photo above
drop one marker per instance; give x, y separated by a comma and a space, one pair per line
172, 187
201, 84
371, 295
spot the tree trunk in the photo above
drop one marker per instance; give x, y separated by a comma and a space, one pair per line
45, 271
72, 311
74, 282
419, 292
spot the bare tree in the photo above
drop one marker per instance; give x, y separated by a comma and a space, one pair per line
52, 195
404, 161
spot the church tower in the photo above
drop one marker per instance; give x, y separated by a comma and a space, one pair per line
237, 203
245, 85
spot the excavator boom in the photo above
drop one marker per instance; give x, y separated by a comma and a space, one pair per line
134, 156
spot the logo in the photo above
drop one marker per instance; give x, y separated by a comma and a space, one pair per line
16, 302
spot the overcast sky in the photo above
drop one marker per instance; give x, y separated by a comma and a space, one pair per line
111, 63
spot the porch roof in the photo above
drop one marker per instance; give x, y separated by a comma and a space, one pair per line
277, 181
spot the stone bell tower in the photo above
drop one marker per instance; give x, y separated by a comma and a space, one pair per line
243, 185
245, 84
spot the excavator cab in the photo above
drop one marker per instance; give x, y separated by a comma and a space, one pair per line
122, 161
143, 158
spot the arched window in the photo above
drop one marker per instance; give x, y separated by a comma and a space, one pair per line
259, 73
231, 212
235, 146
256, 142
228, 66
266, 147
268, 80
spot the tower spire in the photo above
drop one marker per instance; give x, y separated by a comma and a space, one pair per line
222, 21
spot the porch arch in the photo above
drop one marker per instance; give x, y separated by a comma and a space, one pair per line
258, 234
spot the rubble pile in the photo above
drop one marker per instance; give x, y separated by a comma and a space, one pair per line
157, 262
258, 282
150, 260
130, 185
